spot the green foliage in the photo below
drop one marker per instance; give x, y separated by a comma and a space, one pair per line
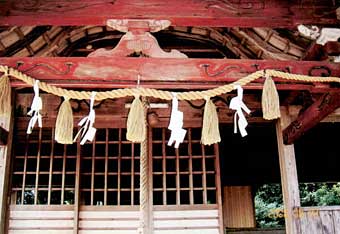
269, 206
269, 203
320, 194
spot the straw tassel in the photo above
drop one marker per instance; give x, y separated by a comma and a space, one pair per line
270, 100
210, 129
136, 128
64, 123
5, 94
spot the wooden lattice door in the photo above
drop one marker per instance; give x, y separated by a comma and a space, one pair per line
185, 184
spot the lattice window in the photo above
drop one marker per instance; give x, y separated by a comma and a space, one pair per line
110, 169
186, 175
44, 171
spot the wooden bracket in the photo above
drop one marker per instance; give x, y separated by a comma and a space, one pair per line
138, 39
320, 109
3, 136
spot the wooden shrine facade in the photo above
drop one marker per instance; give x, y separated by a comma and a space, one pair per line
96, 187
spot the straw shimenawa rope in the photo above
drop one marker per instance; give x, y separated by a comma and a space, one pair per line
166, 95
144, 222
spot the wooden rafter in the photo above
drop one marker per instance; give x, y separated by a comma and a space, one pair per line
320, 109
256, 13
167, 73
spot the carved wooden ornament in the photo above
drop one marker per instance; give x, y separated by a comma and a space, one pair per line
138, 39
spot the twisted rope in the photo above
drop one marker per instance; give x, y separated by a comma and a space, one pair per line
143, 181
161, 94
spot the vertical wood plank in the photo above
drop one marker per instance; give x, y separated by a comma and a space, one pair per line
77, 191
50, 169
304, 222
163, 165
92, 169
336, 221
119, 164
191, 179
204, 177
238, 207
132, 173
314, 222
289, 179
6, 122
178, 191
63, 175
327, 223
218, 188
106, 164
150, 178
37, 170
24, 171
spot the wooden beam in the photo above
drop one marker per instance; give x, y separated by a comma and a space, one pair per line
255, 13
289, 179
7, 122
320, 109
318, 52
3, 136
101, 72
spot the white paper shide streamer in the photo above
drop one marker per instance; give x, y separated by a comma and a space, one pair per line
176, 124
238, 105
35, 109
87, 131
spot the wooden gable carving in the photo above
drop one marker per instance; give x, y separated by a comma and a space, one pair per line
138, 39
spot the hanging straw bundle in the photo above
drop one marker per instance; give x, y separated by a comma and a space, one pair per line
64, 123
136, 128
210, 129
270, 100
5, 94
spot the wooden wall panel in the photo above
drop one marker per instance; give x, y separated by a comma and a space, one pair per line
40, 219
316, 220
93, 220
189, 221
238, 207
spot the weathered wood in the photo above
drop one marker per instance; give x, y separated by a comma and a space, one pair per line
40, 219
162, 73
327, 222
77, 192
137, 40
256, 13
336, 220
238, 207
187, 221
3, 136
289, 180
6, 123
324, 106
219, 188
322, 219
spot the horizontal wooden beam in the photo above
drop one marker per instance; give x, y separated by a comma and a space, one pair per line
320, 109
101, 72
3, 136
255, 13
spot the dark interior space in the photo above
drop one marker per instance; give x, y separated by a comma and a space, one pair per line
254, 159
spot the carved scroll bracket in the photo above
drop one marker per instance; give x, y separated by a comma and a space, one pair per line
138, 39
